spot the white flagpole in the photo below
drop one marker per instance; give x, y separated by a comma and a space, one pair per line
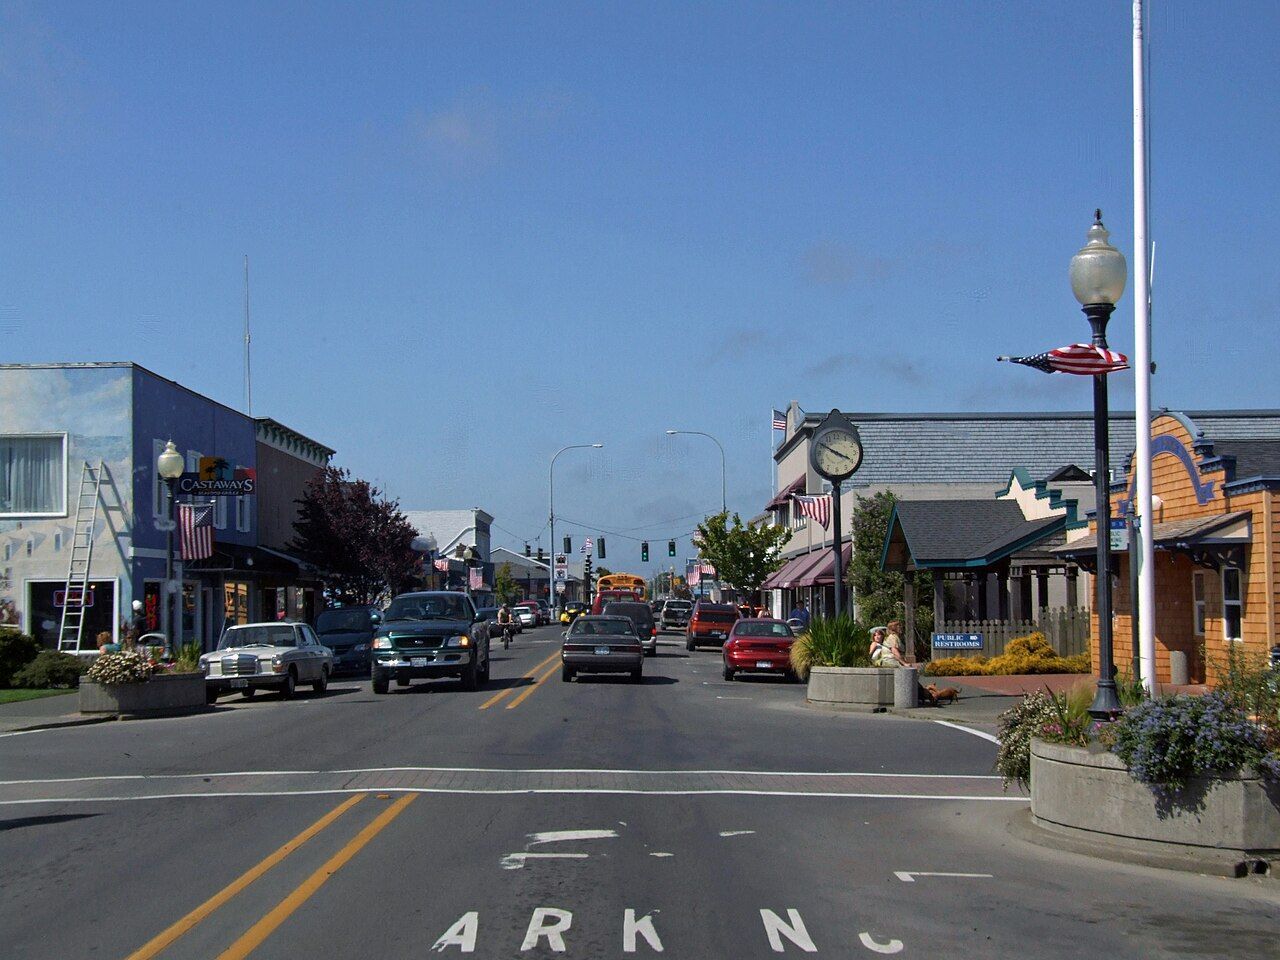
1146, 599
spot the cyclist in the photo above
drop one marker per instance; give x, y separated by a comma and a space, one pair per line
506, 624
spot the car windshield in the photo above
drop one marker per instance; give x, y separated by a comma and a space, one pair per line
258, 635
681, 605
428, 607
593, 627
762, 628
487, 612
342, 621
635, 611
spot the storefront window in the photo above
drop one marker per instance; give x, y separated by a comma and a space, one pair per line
44, 612
1232, 603
1197, 593
33, 475
236, 608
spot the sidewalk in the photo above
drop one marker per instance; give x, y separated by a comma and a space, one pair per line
60, 711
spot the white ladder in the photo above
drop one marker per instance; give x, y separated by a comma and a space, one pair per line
76, 590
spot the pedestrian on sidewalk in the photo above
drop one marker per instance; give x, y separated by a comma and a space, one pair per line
800, 613
894, 640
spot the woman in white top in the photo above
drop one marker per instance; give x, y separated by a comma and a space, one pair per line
884, 651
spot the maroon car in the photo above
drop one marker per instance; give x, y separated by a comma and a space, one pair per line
758, 646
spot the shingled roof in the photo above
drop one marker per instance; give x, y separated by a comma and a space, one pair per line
960, 533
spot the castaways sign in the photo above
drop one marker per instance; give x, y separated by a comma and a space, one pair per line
217, 478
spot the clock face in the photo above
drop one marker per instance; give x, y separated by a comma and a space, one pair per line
837, 453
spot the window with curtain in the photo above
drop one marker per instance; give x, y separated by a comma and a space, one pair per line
1232, 603
33, 478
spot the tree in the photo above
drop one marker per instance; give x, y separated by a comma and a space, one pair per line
743, 554
879, 593
505, 586
358, 541
603, 571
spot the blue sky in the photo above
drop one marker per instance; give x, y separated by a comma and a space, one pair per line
478, 232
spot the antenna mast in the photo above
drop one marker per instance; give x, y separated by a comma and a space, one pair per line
248, 378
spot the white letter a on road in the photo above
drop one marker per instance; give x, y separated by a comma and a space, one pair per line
462, 934
561, 920
792, 928
644, 926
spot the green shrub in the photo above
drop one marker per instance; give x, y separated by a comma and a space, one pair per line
16, 651
831, 642
51, 668
188, 659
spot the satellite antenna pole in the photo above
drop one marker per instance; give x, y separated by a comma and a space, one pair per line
248, 379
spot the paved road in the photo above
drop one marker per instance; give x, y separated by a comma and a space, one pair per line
705, 818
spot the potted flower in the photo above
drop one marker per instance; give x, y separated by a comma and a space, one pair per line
127, 684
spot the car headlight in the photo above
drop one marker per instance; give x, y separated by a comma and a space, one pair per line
382, 643
461, 640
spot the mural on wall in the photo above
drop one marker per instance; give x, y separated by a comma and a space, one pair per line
92, 407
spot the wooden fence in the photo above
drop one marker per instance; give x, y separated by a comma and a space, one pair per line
1066, 630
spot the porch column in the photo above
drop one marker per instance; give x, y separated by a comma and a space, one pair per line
1042, 592
909, 617
983, 581
1002, 582
1073, 596
939, 600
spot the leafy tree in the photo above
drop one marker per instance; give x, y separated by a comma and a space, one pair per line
879, 593
505, 586
359, 542
603, 571
743, 554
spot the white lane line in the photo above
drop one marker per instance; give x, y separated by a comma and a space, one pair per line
909, 876
718, 697
735, 833
662, 854
516, 861
977, 733
556, 836
524, 791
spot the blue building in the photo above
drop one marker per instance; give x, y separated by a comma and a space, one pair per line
78, 451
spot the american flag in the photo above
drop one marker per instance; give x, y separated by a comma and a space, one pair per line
477, 578
779, 420
587, 546
1084, 359
699, 569
442, 564
195, 527
815, 507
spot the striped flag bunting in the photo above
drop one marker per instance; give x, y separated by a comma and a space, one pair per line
477, 578
587, 546
779, 420
195, 529
442, 564
815, 507
1083, 359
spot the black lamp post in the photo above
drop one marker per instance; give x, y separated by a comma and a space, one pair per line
169, 465
1098, 275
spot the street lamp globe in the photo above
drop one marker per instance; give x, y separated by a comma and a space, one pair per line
468, 555
170, 462
1098, 270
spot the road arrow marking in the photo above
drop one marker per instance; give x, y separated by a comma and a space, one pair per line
555, 836
516, 861
910, 876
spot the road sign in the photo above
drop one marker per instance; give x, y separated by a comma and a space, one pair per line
562, 567
957, 641
1119, 534
560, 586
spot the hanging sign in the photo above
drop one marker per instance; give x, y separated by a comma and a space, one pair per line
217, 478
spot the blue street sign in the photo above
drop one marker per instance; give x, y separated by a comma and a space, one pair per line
957, 641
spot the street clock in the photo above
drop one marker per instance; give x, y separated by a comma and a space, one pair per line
835, 451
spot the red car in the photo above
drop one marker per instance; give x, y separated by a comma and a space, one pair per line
758, 646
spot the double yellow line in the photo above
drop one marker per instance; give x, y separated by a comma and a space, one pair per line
259, 932
526, 691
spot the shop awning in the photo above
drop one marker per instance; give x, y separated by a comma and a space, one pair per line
1210, 541
822, 573
790, 575
774, 580
785, 494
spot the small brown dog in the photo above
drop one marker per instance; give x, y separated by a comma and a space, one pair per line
948, 694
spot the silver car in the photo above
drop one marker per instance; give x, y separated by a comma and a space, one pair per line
275, 655
597, 644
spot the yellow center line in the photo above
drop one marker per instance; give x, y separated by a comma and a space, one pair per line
528, 690
162, 940
528, 676
254, 936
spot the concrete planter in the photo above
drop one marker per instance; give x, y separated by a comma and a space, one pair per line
1086, 792
853, 687
162, 694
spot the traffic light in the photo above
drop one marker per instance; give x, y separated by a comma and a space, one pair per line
601, 545
527, 552
568, 545
540, 556
671, 548
644, 552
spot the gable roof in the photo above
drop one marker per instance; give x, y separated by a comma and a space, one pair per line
960, 533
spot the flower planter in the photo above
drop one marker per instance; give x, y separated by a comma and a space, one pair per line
1092, 793
162, 694
852, 687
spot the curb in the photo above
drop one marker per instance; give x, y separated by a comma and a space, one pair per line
56, 724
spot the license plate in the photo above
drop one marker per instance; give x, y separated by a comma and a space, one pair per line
602, 651
715, 634
763, 665
239, 683
418, 661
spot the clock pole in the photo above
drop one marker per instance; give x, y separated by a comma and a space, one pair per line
837, 547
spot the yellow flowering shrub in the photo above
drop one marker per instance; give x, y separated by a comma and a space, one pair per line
1022, 655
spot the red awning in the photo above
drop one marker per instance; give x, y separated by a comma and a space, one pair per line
787, 572
822, 574
785, 494
799, 569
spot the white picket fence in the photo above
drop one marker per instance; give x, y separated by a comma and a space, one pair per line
1067, 630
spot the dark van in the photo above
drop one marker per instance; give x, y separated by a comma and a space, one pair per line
348, 632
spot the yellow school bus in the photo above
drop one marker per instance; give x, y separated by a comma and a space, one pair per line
623, 581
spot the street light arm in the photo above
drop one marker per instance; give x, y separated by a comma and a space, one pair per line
724, 500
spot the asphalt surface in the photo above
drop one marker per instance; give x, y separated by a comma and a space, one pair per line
713, 819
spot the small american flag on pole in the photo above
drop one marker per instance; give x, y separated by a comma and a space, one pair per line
779, 420
587, 546
195, 528
1084, 359
815, 507
442, 564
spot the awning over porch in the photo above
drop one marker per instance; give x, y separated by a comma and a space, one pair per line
790, 573
960, 534
786, 493
234, 558
1208, 540
822, 573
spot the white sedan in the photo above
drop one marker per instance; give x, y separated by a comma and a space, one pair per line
276, 655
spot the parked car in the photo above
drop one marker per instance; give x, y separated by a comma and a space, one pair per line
277, 656
641, 618
427, 635
758, 646
710, 623
526, 613
675, 614
348, 631
600, 644
572, 611
544, 612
